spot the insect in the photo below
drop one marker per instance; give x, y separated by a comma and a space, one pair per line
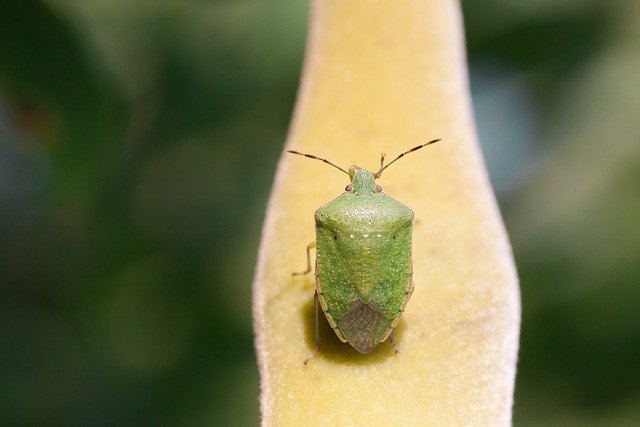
363, 259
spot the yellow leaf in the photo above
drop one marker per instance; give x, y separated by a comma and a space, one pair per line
384, 76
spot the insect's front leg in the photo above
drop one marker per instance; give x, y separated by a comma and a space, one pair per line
310, 246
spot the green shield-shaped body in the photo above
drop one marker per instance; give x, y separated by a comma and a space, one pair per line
363, 265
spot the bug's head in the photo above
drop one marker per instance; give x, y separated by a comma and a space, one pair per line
363, 181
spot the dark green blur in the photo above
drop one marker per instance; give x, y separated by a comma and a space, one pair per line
138, 142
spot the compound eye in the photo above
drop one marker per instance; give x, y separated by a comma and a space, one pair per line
348, 188
377, 189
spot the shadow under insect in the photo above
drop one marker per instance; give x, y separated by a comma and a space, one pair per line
334, 350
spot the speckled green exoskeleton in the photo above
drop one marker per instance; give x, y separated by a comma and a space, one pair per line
363, 259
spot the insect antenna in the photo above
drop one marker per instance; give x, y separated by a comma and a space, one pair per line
383, 166
311, 156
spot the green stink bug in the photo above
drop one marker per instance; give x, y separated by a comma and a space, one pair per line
363, 259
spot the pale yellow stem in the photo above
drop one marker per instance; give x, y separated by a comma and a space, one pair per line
383, 76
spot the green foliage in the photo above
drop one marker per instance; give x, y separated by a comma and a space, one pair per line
127, 235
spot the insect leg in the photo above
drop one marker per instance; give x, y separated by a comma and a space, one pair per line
317, 333
311, 245
392, 342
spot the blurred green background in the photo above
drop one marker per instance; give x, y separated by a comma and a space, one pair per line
138, 141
